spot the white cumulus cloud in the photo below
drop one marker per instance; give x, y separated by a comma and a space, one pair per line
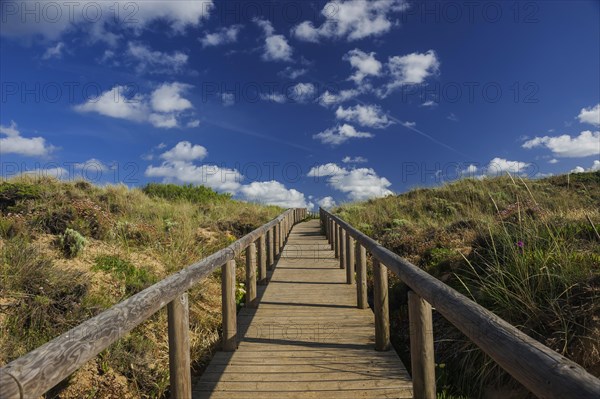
340, 134
358, 184
163, 108
303, 92
565, 146
14, 143
184, 151
168, 97
98, 17
365, 65
224, 35
590, 115
364, 115
328, 99
498, 166
276, 47
273, 193
352, 20
326, 202
410, 69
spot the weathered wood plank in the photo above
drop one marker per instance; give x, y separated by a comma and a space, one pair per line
350, 257
262, 261
307, 338
228, 306
422, 357
361, 277
179, 348
251, 276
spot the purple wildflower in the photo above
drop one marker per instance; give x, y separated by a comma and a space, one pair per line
520, 244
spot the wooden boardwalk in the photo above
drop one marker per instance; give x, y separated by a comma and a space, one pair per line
307, 338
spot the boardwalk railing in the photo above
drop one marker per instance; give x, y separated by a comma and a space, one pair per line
41, 369
540, 369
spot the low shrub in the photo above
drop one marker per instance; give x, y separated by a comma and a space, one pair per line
71, 242
173, 192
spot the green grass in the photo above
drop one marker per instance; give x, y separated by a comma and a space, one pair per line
524, 249
134, 237
134, 279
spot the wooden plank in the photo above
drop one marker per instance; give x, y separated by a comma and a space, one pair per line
361, 277
262, 260
422, 357
251, 276
307, 338
381, 309
228, 306
350, 259
179, 348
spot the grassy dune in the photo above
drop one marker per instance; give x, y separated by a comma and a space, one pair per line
525, 249
119, 242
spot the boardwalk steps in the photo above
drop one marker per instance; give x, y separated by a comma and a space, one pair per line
307, 338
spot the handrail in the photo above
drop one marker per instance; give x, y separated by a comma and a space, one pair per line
41, 369
543, 371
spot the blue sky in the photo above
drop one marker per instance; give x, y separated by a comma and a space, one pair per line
299, 103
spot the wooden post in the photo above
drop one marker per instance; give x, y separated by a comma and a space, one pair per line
342, 248
276, 241
251, 276
349, 259
361, 277
179, 347
422, 356
381, 310
336, 240
228, 306
279, 237
262, 261
332, 233
269, 248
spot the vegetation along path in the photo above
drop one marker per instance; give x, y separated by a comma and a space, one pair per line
306, 338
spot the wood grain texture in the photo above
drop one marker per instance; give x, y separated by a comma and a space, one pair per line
543, 371
342, 248
350, 257
422, 358
381, 306
276, 241
251, 276
179, 348
336, 240
361, 277
306, 339
269, 248
228, 306
331, 235
262, 260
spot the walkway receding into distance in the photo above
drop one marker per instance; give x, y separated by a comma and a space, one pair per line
306, 338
